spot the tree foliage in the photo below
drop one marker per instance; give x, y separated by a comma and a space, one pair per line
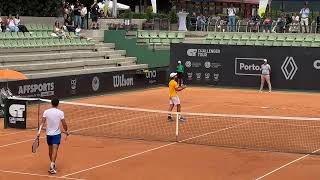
31, 7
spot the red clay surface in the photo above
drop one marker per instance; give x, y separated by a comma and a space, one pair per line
85, 157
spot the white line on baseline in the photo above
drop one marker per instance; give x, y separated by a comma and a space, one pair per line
285, 165
153, 149
39, 175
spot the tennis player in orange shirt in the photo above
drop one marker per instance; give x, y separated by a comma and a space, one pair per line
173, 96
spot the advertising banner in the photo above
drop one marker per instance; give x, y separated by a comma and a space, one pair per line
223, 65
15, 114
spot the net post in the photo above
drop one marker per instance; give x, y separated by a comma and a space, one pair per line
38, 115
177, 126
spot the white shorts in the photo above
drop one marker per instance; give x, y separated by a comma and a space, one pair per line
174, 100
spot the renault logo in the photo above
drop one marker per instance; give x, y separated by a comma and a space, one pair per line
289, 68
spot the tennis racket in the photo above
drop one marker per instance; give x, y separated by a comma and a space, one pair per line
35, 144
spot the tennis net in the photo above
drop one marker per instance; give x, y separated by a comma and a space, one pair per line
263, 133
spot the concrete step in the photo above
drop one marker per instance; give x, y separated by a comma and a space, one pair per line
82, 63
86, 71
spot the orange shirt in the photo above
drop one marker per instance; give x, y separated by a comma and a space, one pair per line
172, 88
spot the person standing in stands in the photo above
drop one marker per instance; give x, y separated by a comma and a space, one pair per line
180, 71
305, 18
94, 15
232, 18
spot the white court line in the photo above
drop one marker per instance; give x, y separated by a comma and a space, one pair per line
289, 163
153, 149
39, 175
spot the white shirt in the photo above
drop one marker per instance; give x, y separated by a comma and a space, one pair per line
84, 11
11, 22
53, 118
265, 69
231, 11
17, 21
305, 12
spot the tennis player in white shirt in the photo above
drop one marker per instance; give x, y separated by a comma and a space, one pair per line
52, 117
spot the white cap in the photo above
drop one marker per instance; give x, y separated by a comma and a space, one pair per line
173, 75
265, 60
179, 62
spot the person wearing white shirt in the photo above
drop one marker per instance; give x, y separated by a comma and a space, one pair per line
83, 14
53, 117
232, 18
305, 18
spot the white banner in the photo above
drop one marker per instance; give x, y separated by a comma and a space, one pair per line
154, 5
262, 7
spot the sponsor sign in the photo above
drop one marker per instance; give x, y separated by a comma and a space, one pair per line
289, 68
151, 76
248, 66
122, 81
202, 52
15, 114
37, 90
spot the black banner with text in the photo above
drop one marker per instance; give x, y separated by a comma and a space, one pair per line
222, 65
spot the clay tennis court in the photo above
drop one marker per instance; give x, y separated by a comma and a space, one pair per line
142, 145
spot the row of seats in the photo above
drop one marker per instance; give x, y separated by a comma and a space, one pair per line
164, 42
160, 35
39, 27
32, 35
44, 43
310, 40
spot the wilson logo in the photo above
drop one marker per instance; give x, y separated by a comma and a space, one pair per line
121, 81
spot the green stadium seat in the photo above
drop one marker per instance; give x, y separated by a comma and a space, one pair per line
45, 34
181, 35
290, 38
28, 35
317, 38
20, 43
227, 36
139, 34
234, 39
8, 35
300, 38
175, 41
306, 44
72, 35
21, 35
38, 34
241, 43
153, 34
309, 38
78, 42
15, 35
172, 35
145, 34
281, 38
39, 27
155, 41
287, 43
47, 27
163, 35
207, 41
277, 43
245, 38
28, 26
254, 37
315, 44
14, 43
296, 44
272, 37
219, 36
258, 43
2, 36
250, 43
210, 36
165, 41
268, 43
56, 42
2, 44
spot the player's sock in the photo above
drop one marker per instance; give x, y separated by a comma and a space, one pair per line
52, 165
